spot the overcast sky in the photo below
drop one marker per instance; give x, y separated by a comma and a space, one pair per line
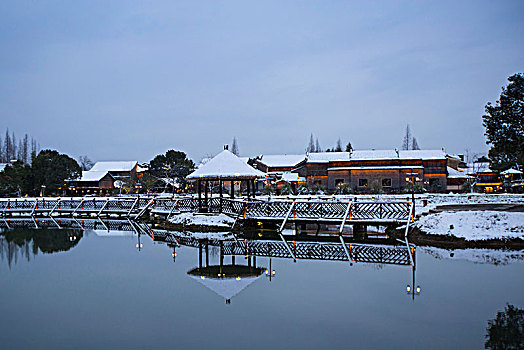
128, 80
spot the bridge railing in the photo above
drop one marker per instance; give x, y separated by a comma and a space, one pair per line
386, 254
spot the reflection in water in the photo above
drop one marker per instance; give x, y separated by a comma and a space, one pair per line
23, 242
229, 280
506, 331
226, 280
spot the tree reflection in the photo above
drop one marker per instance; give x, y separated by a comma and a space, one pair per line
26, 243
506, 331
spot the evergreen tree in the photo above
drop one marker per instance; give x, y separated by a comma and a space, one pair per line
311, 145
2, 160
504, 123
349, 148
339, 146
317, 146
51, 169
234, 147
173, 165
414, 144
406, 142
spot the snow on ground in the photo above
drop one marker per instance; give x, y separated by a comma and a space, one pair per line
474, 225
432, 200
479, 256
214, 220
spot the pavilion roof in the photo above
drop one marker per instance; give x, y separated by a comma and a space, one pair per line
230, 285
226, 166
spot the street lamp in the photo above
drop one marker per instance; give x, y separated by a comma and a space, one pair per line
269, 272
42, 191
411, 289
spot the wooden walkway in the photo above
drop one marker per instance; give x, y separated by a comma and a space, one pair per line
325, 211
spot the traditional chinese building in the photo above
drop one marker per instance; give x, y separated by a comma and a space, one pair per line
389, 170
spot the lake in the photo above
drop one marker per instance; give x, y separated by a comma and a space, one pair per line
99, 289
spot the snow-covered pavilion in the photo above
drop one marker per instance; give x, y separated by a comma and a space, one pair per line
225, 166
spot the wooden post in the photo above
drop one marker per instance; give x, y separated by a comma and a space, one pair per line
199, 195
221, 256
220, 192
233, 260
207, 253
199, 255
248, 189
206, 204
254, 188
232, 189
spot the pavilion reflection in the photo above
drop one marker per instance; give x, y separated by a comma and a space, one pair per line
227, 278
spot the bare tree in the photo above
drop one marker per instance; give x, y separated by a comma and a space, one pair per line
406, 142
25, 149
311, 145
85, 162
234, 147
7, 146
317, 146
339, 146
414, 144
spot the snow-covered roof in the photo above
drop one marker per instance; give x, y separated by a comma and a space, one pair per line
2, 166
226, 165
326, 157
114, 166
282, 160
291, 177
455, 174
92, 176
511, 171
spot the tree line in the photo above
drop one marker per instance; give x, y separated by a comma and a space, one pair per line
12, 149
314, 146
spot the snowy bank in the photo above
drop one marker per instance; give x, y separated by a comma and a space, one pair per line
212, 220
474, 225
479, 256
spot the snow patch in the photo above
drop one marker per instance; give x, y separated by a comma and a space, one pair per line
474, 225
215, 220
479, 256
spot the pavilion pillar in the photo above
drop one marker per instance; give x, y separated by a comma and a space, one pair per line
206, 203
220, 194
199, 189
199, 255
207, 253
221, 256
248, 189
233, 260
232, 189
254, 188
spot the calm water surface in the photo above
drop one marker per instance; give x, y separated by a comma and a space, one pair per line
103, 292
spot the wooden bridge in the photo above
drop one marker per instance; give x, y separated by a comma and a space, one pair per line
231, 245
299, 210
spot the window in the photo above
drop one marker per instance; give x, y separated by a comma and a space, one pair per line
363, 182
339, 182
386, 182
